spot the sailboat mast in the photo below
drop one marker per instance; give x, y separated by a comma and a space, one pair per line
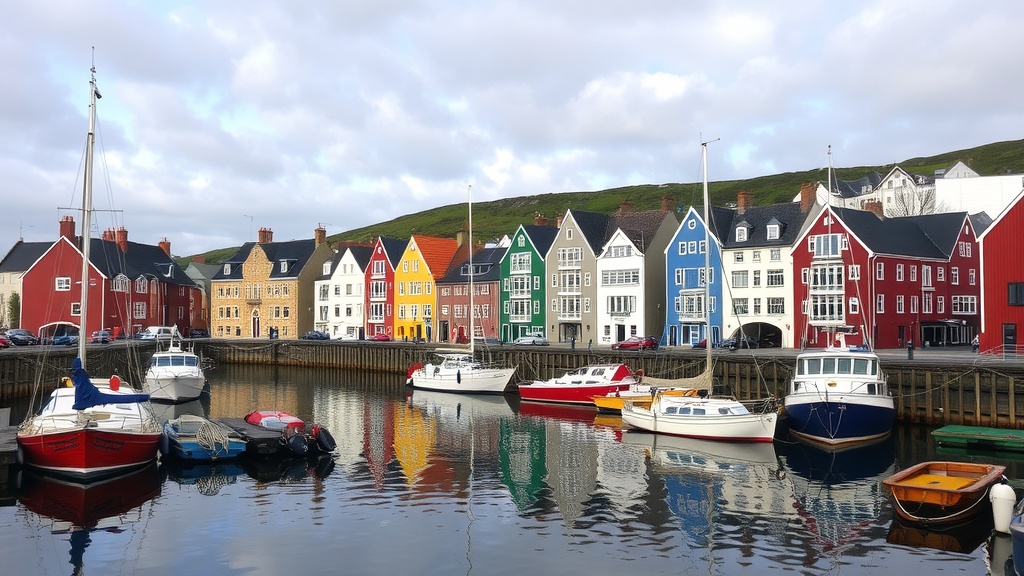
90, 141
472, 313
707, 254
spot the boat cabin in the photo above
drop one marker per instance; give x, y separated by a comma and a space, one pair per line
845, 372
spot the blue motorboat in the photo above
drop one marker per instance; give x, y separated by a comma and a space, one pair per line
191, 437
838, 397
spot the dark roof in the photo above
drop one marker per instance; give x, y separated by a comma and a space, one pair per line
942, 229
905, 236
596, 228
135, 261
541, 236
395, 248
721, 221
787, 215
362, 255
640, 227
488, 258
22, 255
334, 266
980, 221
854, 188
295, 252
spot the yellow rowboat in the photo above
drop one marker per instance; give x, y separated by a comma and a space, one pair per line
641, 396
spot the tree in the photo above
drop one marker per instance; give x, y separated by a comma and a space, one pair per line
14, 310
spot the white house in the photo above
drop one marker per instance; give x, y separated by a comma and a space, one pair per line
339, 293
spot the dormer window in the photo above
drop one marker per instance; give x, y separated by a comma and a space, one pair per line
773, 231
741, 234
284, 266
227, 269
327, 268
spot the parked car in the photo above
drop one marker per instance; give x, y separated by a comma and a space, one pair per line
159, 333
381, 337
21, 337
739, 342
101, 337
198, 333
315, 335
65, 340
531, 340
637, 343
4, 342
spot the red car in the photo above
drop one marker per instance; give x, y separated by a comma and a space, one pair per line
637, 343
380, 337
4, 342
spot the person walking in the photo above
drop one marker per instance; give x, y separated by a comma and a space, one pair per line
975, 344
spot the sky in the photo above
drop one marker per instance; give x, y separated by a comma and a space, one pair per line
221, 118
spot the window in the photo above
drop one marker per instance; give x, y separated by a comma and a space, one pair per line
773, 231
141, 285
880, 271
854, 306
940, 274
940, 305
227, 269
740, 306
854, 271
76, 308
63, 284
284, 267
757, 255
775, 254
1015, 295
741, 234
913, 304
913, 273
880, 304
519, 263
737, 257
826, 245
954, 275
756, 282
139, 310
964, 304
757, 306
899, 272
900, 303
619, 251
776, 278
739, 279
964, 249
777, 306
971, 277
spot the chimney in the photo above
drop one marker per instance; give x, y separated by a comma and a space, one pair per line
874, 206
121, 237
558, 221
165, 245
539, 220
744, 200
320, 235
666, 203
460, 238
199, 259
108, 235
67, 228
625, 207
807, 196
266, 236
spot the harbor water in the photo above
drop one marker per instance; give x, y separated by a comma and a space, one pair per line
432, 483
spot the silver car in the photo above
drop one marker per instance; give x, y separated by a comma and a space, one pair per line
531, 340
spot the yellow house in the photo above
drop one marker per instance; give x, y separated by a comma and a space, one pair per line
268, 285
426, 259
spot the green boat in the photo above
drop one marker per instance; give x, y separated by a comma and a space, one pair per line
980, 437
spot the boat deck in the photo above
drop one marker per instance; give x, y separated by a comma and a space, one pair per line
259, 441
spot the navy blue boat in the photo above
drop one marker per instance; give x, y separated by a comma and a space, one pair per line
838, 398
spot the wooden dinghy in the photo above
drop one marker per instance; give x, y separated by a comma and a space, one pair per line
942, 492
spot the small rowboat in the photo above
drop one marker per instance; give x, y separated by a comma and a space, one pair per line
942, 492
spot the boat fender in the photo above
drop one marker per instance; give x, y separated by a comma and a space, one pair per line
297, 444
1003, 499
324, 466
115, 382
324, 440
165, 444
67, 382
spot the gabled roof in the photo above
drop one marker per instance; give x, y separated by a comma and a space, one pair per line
541, 236
942, 229
787, 216
854, 188
896, 236
595, 227
135, 261
436, 252
394, 248
334, 266
721, 221
980, 222
22, 255
361, 254
488, 258
640, 227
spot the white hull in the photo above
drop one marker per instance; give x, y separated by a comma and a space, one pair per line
470, 379
729, 427
174, 388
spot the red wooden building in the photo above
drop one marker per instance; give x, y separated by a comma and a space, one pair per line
1002, 273
887, 282
131, 286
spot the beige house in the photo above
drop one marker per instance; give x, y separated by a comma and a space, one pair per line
267, 286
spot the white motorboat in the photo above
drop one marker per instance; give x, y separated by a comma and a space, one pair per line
175, 375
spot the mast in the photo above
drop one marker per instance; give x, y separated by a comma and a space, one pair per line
707, 255
472, 312
90, 140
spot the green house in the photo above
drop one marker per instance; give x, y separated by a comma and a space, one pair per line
523, 288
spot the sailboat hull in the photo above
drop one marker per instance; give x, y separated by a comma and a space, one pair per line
86, 452
460, 373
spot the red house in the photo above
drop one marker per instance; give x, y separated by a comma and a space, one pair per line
131, 286
1002, 274
380, 286
887, 282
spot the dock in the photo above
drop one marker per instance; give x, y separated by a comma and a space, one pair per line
980, 438
259, 442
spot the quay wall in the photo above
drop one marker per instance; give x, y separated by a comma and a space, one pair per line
970, 393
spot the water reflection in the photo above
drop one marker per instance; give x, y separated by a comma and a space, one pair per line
207, 478
80, 510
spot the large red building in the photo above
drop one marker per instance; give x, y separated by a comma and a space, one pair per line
887, 282
131, 286
1002, 273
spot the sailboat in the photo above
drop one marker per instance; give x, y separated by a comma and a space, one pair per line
89, 428
460, 370
673, 408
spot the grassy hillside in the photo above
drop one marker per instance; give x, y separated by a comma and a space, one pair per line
499, 217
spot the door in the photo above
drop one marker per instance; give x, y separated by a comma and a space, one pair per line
255, 327
1009, 339
620, 332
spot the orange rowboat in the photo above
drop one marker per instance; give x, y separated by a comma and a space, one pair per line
942, 492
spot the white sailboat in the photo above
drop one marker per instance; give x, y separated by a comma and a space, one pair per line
671, 408
460, 370
98, 427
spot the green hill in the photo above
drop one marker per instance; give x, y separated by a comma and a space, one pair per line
497, 218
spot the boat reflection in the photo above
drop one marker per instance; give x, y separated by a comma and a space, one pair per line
206, 477
80, 509
838, 493
269, 470
962, 538
196, 407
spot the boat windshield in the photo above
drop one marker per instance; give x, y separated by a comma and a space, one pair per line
180, 360
828, 366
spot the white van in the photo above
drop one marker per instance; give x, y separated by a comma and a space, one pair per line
159, 333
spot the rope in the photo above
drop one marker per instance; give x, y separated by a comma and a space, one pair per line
213, 437
916, 518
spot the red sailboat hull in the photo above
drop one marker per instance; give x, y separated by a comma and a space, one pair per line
88, 452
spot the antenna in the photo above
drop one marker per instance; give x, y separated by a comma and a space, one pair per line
250, 224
